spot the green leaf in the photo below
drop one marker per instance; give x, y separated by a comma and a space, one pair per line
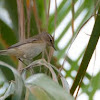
88, 54
7, 38
47, 87
10, 91
19, 84
3, 83
11, 7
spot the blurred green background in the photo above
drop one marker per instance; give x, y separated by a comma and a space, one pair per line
9, 34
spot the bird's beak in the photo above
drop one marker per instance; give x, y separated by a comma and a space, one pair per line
53, 46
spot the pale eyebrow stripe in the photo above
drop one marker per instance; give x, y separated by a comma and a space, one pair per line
50, 36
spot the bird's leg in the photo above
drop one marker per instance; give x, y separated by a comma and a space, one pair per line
42, 58
43, 54
22, 61
31, 70
46, 53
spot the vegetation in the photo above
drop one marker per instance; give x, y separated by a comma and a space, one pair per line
20, 19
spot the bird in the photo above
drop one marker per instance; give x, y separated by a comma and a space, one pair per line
31, 47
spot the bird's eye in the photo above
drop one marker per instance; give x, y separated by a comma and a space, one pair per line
50, 40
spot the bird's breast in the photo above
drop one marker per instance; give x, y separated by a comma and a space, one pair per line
31, 50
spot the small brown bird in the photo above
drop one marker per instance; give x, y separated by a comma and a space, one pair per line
31, 47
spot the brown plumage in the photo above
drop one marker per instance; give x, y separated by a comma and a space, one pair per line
31, 47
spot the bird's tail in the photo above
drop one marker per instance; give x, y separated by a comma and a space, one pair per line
3, 52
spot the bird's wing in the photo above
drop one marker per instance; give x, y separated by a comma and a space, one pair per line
30, 40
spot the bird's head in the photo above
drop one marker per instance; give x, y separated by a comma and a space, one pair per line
48, 39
